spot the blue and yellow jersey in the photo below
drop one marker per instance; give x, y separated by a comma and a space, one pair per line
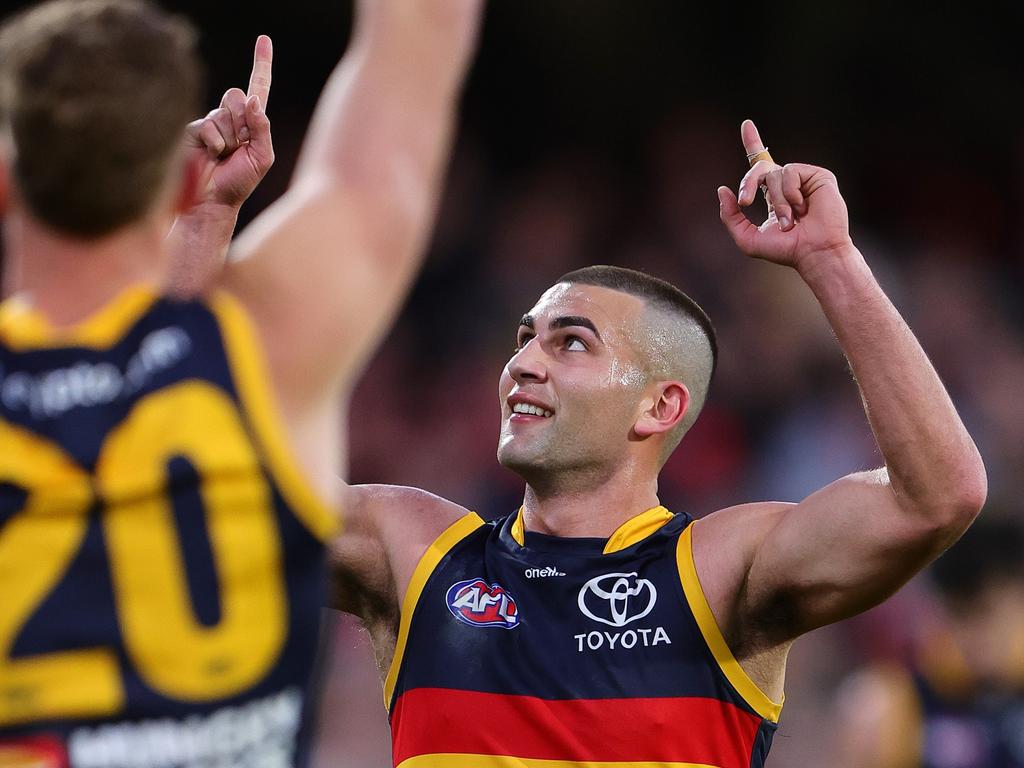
162, 561
943, 717
985, 730
521, 649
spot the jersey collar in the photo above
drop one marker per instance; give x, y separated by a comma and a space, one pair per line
634, 530
23, 327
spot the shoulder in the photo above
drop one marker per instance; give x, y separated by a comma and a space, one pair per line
386, 506
758, 513
731, 536
725, 544
405, 520
387, 530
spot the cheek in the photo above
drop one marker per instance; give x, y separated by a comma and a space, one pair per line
604, 402
625, 375
505, 384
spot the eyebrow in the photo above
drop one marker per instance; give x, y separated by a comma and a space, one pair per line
566, 321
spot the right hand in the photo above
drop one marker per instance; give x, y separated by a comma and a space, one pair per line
235, 138
807, 222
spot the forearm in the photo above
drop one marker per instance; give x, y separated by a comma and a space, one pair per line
198, 243
933, 465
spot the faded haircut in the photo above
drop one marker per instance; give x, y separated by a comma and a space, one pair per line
94, 98
683, 344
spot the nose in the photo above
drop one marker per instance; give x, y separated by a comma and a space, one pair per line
528, 364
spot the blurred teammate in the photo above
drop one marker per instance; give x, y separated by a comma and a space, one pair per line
960, 704
595, 627
168, 468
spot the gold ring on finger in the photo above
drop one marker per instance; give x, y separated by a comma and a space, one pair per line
762, 154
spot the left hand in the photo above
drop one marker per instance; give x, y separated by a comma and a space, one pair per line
809, 219
235, 138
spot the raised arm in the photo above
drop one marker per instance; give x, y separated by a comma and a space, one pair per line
232, 149
324, 268
853, 543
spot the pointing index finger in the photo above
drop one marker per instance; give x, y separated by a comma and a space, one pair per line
751, 138
262, 61
752, 144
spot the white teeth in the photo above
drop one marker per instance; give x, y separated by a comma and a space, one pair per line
531, 410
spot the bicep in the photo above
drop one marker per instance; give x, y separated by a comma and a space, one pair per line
840, 551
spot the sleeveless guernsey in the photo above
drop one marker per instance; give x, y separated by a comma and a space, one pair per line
521, 649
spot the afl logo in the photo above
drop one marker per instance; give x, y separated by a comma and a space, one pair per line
474, 602
617, 599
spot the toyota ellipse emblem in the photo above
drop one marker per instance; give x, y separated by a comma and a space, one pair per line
617, 599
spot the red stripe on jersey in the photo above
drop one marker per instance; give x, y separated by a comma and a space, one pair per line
428, 721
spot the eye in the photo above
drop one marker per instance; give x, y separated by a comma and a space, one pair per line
575, 344
522, 341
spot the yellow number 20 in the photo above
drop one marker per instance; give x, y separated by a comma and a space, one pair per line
173, 653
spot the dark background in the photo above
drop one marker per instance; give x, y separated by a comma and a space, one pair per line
596, 131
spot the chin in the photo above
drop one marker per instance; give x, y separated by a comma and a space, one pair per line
521, 462
510, 459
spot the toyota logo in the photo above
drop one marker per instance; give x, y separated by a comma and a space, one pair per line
617, 598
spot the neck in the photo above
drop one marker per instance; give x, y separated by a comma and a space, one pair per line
67, 279
592, 509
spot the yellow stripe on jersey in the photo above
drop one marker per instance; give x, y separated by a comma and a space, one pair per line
505, 761
637, 529
252, 377
634, 530
519, 529
451, 536
22, 327
747, 688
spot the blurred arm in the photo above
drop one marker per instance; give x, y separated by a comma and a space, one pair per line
879, 720
199, 242
324, 268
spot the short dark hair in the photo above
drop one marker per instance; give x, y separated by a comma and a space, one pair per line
96, 95
991, 551
654, 290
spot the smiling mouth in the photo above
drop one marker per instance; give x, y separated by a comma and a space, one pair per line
525, 409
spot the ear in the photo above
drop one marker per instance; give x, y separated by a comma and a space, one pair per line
195, 175
669, 406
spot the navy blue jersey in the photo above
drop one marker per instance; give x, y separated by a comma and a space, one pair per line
162, 561
983, 730
517, 648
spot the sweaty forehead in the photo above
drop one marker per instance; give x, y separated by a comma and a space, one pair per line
610, 310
